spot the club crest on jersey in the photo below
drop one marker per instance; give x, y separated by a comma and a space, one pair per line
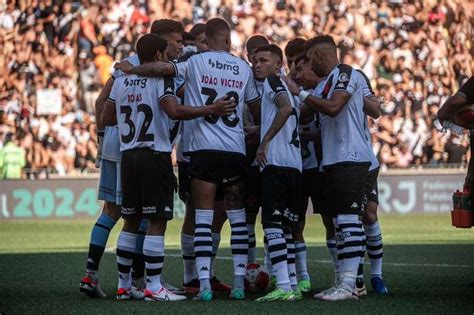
343, 77
224, 66
135, 82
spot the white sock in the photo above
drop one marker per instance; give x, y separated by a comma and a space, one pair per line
360, 270
351, 230
331, 246
203, 246
301, 264
126, 243
278, 254
239, 244
374, 248
291, 258
189, 260
267, 263
154, 251
252, 244
216, 240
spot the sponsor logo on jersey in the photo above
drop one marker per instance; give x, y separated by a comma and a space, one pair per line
224, 66
135, 82
149, 209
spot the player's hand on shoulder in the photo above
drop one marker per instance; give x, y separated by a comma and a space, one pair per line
124, 66
292, 86
224, 106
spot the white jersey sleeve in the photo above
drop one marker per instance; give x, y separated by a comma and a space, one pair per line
134, 60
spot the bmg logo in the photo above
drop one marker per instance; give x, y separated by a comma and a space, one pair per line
223, 66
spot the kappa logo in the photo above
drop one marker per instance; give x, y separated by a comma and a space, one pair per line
148, 280
241, 266
224, 66
168, 209
354, 205
204, 268
340, 85
374, 192
276, 212
169, 90
292, 274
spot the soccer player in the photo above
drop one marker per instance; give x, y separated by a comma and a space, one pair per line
279, 158
252, 178
293, 50
142, 107
312, 178
217, 147
372, 230
346, 154
109, 183
198, 31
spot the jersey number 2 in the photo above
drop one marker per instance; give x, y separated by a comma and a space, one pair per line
142, 136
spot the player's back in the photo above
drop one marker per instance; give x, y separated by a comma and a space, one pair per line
141, 120
209, 76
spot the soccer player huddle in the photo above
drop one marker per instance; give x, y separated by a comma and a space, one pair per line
248, 137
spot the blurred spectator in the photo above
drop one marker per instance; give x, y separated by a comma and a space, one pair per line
12, 159
416, 54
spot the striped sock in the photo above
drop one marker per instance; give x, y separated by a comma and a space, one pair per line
278, 252
203, 246
360, 270
99, 236
138, 265
267, 263
154, 251
239, 244
291, 257
125, 252
252, 244
189, 261
301, 263
374, 248
350, 249
216, 240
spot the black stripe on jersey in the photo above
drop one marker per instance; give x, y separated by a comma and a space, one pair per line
168, 85
344, 77
111, 100
174, 131
276, 85
366, 81
327, 87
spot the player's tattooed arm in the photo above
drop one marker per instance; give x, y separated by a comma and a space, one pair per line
372, 107
151, 69
176, 111
283, 105
109, 117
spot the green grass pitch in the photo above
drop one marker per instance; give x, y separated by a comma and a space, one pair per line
428, 267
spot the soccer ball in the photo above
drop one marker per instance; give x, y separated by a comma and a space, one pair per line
256, 278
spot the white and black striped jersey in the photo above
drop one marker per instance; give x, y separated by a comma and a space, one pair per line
209, 76
344, 138
368, 92
142, 122
308, 149
284, 149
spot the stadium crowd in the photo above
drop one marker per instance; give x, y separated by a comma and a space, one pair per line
416, 54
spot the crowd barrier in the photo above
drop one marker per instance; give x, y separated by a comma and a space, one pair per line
400, 192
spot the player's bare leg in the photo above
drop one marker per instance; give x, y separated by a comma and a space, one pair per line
304, 281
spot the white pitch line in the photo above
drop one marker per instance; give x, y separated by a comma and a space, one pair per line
322, 261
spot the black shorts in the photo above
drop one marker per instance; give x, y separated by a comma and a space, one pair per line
253, 190
184, 181
281, 195
218, 167
313, 187
148, 184
345, 187
371, 186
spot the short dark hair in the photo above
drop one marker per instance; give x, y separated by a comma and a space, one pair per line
215, 27
272, 48
295, 47
188, 36
166, 26
198, 29
148, 45
255, 42
301, 57
327, 39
